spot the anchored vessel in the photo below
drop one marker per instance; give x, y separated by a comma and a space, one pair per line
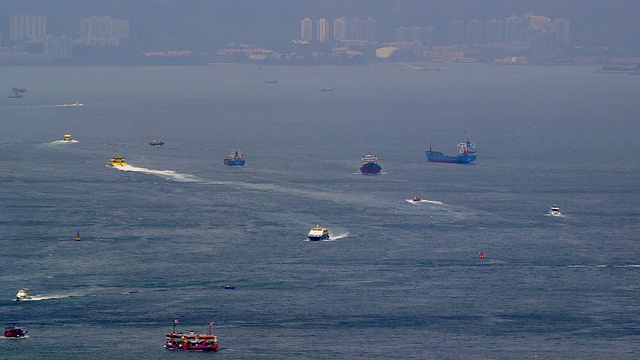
235, 158
370, 165
466, 154
117, 160
191, 341
319, 233
14, 331
156, 142
23, 294
555, 210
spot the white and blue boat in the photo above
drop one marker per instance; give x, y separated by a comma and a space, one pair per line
236, 158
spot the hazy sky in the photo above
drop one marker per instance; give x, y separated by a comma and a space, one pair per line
210, 24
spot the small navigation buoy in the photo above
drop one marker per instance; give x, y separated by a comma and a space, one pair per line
482, 256
78, 236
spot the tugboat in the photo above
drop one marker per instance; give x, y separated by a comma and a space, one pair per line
466, 154
555, 210
319, 233
14, 331
191, 341
370, 165
235, 158
156, 142
23, 294
117, 160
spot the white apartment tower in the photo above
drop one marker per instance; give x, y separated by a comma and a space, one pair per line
103, 31
322, 27
306, 29
28, 27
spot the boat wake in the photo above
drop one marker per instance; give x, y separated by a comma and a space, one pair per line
44, 297
165, 174
436, 202
64, 142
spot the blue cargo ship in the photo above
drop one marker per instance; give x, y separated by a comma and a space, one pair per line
370, 165
466, 154
236, 158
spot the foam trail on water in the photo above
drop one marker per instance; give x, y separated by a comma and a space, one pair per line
165, 174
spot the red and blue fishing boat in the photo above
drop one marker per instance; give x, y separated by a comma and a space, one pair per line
466, 154
14, 331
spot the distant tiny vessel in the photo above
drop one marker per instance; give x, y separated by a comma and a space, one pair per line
117, 160
319, 233
76, 104
66, 137
235, 158
191, 341
555, 210
156, 142
482, 256
78, 238
14, 331
370, 165
466, 154
271, 81
19, 89
229, 287
23, 294
325, 89
417, 199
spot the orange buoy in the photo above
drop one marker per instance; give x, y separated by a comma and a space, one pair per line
482, 254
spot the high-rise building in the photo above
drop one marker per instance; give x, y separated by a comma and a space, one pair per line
403, 33
514, 28
306, 29
561, 27
28, 27
475, 32
361, 29
322, 27
456, 32
417, 34
103, 31
494, 31
339, 29
430, 36
58, 47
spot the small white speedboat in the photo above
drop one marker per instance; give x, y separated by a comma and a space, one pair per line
555, 210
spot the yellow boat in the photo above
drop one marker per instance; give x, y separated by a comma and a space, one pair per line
67, 137
117, 160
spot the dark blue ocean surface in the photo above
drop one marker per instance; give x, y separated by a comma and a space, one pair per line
161, 237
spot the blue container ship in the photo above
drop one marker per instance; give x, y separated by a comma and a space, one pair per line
466, 154
370, 165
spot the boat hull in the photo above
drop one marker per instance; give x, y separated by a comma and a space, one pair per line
318, 238
440, 158
370, 169
229, 162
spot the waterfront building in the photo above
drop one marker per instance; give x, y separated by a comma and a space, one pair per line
475, 32
561, 27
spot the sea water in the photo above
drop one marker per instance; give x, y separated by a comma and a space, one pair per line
162, 236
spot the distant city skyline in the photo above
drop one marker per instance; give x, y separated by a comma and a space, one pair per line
210, 25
